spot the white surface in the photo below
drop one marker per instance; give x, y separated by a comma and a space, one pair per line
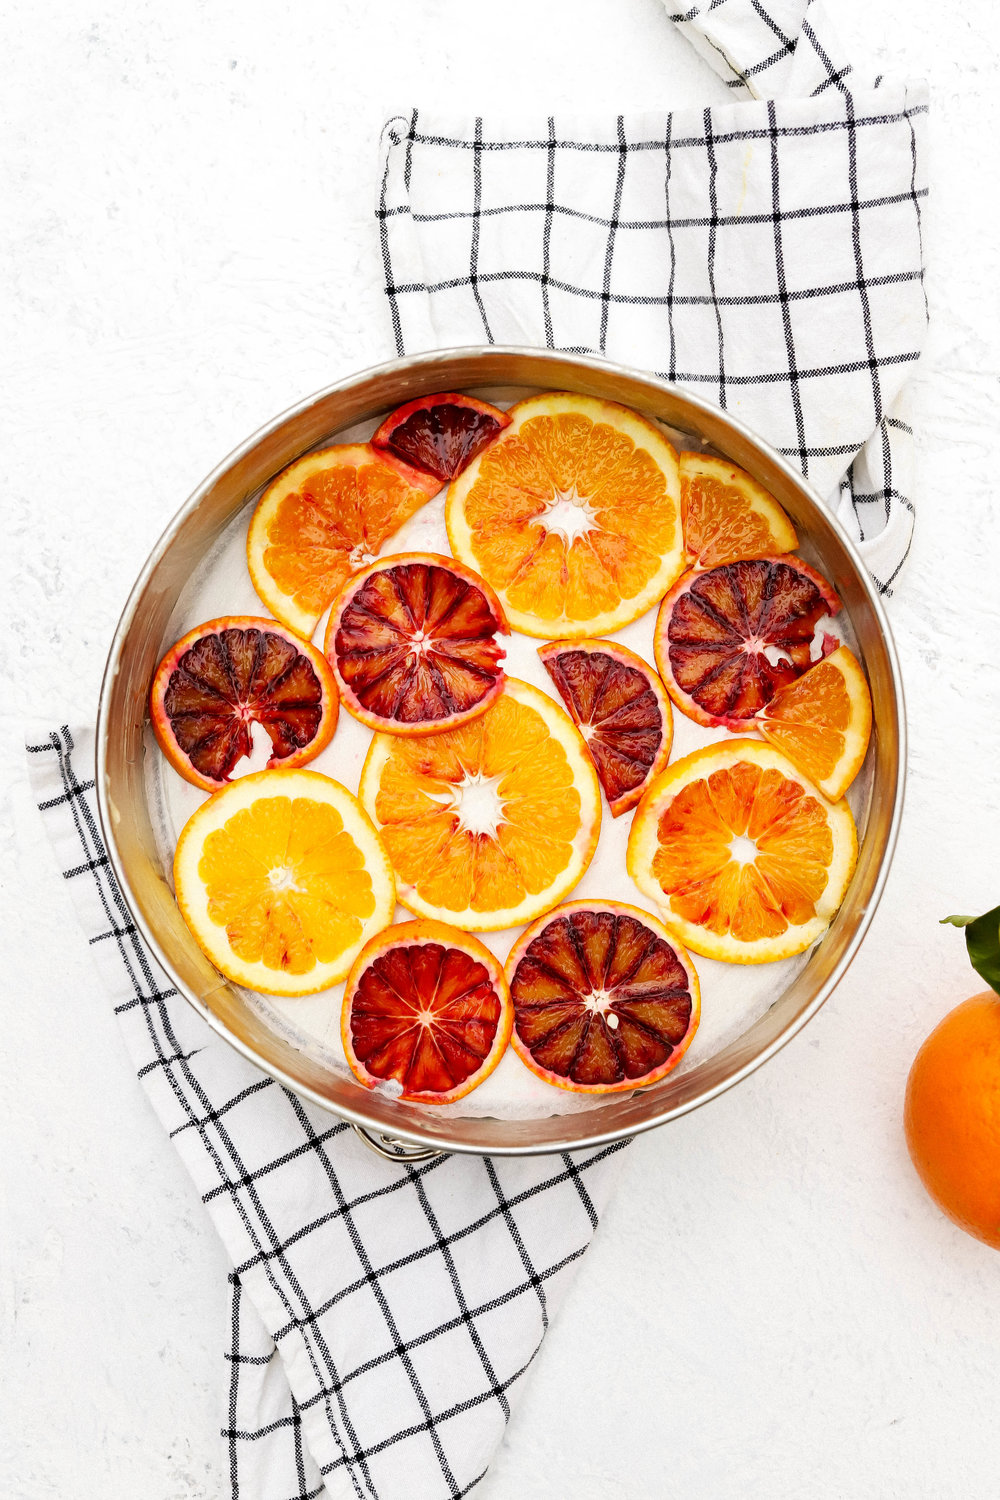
772, 1308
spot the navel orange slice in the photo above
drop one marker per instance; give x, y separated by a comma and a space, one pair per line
413, 641
572, 514
624, 715
228, 674
426, 1011
440, 434
727, 638
746, 858
492, 823
823, 722
604, 998
282, 879
728, 515
325, 517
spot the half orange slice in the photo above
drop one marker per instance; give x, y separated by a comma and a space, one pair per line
728, 515
823, 721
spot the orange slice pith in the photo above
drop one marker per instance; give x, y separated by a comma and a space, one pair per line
623, 713
426, 1008
492, 823
823, 722
322, 519
572, 514
728, 515
413, 643
229, 673
282, 878
745, 858
727, 638
604, 999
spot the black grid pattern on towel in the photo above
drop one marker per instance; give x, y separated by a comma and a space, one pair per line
754, 254
431, 1318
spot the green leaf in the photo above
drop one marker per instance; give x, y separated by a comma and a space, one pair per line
982, 938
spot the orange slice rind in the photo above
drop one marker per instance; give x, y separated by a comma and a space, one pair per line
572, 514
823, 722
490, 824
282, 879
745, 858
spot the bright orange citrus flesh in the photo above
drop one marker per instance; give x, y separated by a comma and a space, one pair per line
230, 673
728, 515
747, 860
573, 516
325, 517
282, 878
427, 1011
490, 824
823, 721
604, 998
952, 1116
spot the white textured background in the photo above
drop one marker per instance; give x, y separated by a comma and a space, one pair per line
772, 1309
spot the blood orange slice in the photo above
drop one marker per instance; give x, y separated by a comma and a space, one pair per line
746, 859
572, 514
282, 879
426, 1011
413, 643
823, 722
727, 638
492, 823
441, 434
324, 518
624, 715
728, 515
230, 673
604, 998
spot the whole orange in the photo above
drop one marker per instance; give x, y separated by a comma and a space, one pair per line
952, 1115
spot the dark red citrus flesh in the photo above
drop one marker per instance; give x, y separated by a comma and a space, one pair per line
390, 1039
232, 678
441, 434
719, 628
626, 720
644, 982
416, 643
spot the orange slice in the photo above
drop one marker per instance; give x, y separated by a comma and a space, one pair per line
823, 722
728, 515
282, 879
426, 1011
746, 859
572, 514
230, 673
604, 998
490, 824
623, 713
325, 517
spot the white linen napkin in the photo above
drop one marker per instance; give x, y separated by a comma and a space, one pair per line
767, 254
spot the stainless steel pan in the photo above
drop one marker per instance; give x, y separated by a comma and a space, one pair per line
141, 638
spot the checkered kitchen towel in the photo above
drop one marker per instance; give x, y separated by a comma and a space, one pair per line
767, 254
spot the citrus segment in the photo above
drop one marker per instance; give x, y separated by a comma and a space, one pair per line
427, 1009
492, 823
604, 999
572, 514
282, 878
413, 643
228, 674
728, 515
322, 519
746, 859
727, 638
823, 722
440, 434
622, 711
